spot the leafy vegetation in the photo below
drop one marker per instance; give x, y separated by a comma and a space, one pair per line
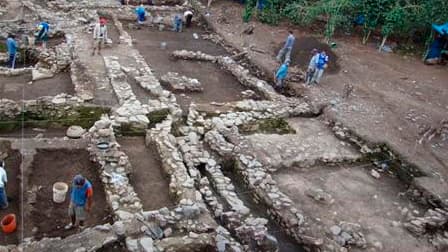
409, 20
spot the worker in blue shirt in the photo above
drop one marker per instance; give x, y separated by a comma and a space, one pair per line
280, 76
141, 14
287, 48
11, 45
42, 33
321, 65
177, 23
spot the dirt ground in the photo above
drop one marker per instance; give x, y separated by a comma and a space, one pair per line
301, 53
218, 85
285, 242
395, 98
312, 143
147, 177
18, 87
358, 198
12, 164
50, 166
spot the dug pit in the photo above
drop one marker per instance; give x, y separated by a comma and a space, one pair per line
46, 218
147, 177
21, 88
218, 85
350, 194
12, 160
301, 53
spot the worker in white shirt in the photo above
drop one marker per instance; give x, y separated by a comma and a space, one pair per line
3, 181
188, 15
99, 35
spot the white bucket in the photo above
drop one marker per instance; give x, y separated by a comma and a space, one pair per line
59, 191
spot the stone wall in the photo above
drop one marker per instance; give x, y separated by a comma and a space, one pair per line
58, 111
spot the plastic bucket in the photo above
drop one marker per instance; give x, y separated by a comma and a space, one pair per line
59, 191
9, 223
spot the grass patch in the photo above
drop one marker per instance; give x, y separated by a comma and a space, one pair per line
267, 126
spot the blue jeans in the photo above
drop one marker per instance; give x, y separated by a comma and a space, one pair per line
3, 198
178, 26
12, 61
141, 18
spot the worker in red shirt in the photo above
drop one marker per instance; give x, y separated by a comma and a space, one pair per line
80, 201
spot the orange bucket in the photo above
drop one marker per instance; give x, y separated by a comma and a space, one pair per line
9, 223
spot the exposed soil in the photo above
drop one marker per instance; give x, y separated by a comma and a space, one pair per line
12, 164
33, 132
312, 142
218, 85
49, 167
18, 88
301, 53
148, 178
394, 100
358, 198
285, 242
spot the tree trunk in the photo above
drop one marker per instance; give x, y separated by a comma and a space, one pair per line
382, 43
366, 37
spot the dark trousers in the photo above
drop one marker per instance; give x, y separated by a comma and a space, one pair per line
12, 61
188, 20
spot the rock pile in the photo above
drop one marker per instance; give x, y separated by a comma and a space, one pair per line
178, 82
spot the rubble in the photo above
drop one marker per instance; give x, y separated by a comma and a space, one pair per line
181, 83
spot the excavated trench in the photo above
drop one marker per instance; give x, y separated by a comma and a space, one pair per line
147, 176
13, 160
43, 217
286, 243
218, 85
22, 87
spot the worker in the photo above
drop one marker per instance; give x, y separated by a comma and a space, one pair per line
141, 14
177, 23
287, 48
3, 181
99, 35
41, 34
80, 201
188, 15
11, 45
435, 53
280, 76
321, 65
311, 66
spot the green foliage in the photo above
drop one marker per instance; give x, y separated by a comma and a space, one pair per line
270, 16
399, 18
248, 11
